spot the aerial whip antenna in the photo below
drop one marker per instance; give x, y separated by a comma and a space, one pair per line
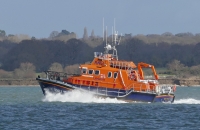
106, 36
103, 29
112, 35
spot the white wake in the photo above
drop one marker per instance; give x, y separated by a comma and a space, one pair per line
187, 101
78, 96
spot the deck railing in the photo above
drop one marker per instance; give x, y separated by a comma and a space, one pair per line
54, 75
160, 89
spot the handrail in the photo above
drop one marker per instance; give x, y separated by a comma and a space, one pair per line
122, 78
54, 75
134, 88
120, 64
166, 88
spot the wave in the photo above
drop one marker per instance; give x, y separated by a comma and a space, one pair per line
187, 101
78, 96
84, 97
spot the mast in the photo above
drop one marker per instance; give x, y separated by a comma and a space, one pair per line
112, 35
106, 36
114, 43
103, 29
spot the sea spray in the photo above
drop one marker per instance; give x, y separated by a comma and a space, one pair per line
187, 101
78, 96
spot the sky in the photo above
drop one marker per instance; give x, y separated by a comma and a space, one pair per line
39, 18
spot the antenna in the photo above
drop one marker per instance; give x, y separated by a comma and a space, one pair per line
112, 35
106, 36
114, 25
115, 41
115, 34
103, 29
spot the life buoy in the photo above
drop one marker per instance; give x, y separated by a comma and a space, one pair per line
133, 76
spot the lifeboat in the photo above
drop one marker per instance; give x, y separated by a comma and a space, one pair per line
106, 76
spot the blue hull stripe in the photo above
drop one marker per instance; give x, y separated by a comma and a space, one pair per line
106, 92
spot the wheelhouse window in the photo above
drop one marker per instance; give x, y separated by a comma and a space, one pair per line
90, 71
115, 75
97, 72
84, 71
109, 74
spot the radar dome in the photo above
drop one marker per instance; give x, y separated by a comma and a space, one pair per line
109, 47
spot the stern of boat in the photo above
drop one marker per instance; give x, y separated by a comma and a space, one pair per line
165, 93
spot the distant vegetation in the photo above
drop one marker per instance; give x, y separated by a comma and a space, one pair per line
22, 56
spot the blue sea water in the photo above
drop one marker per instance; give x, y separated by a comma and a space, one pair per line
26, 108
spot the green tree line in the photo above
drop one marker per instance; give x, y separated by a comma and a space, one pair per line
65, 51
42, 53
